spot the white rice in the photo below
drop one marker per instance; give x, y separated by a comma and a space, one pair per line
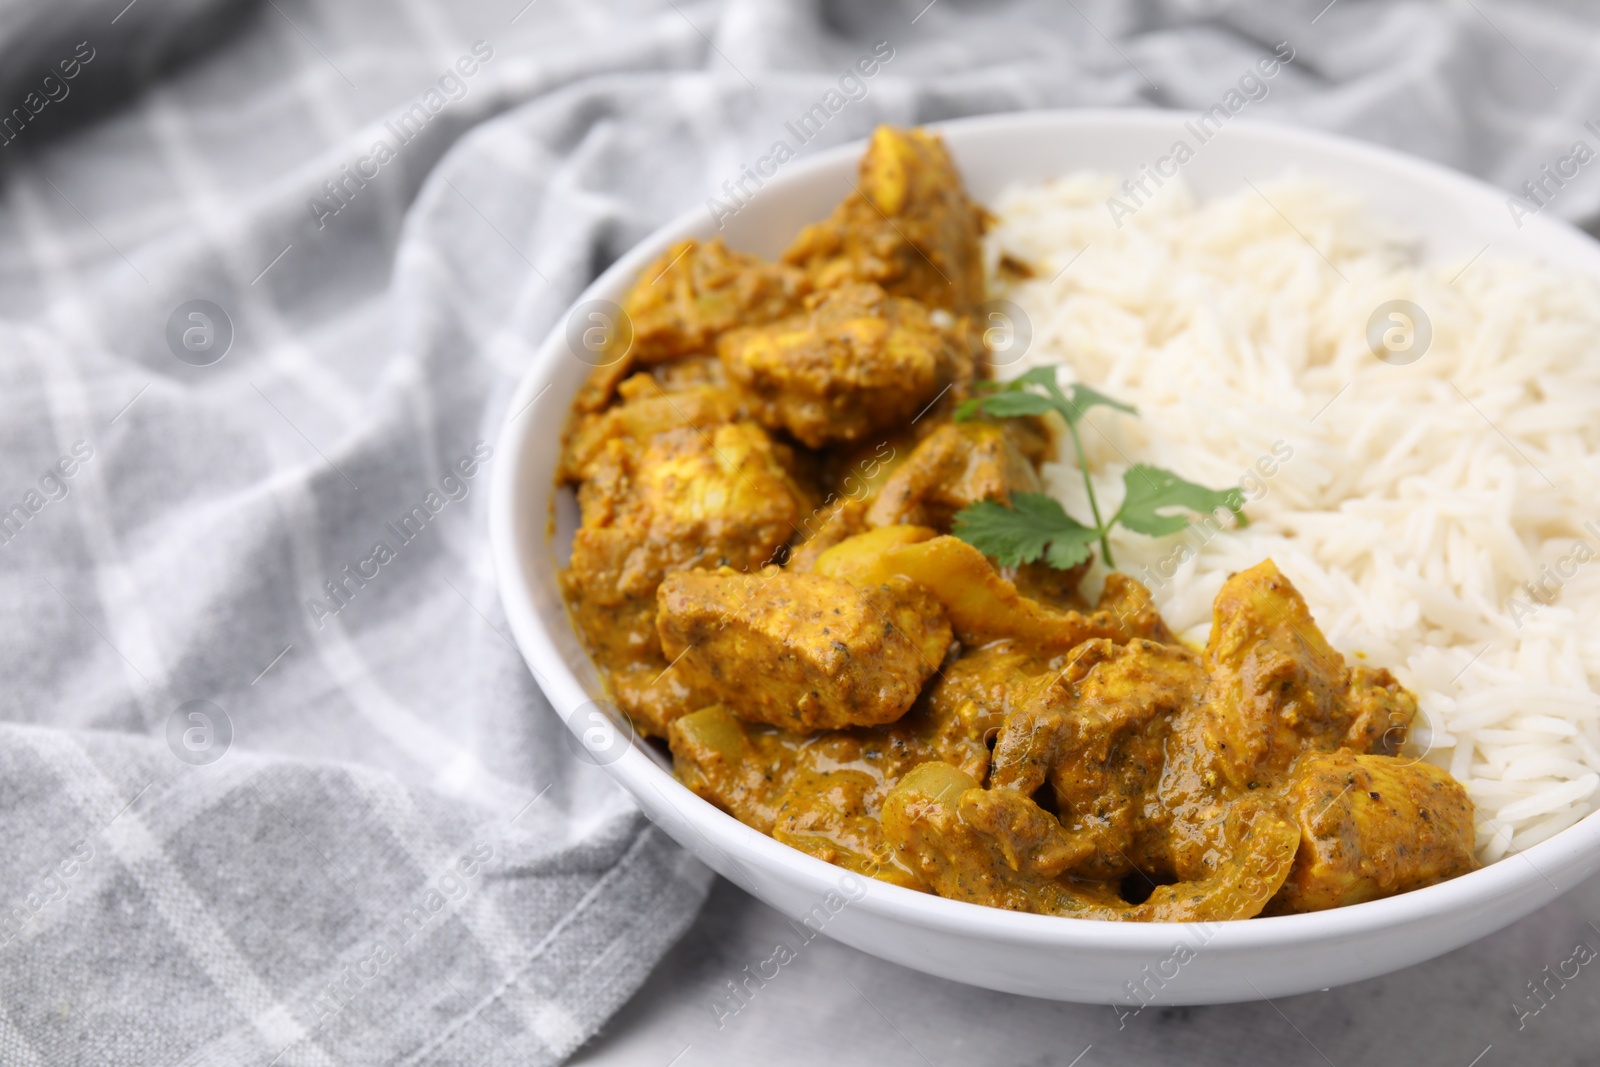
1417, 500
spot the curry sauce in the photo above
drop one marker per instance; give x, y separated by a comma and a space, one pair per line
766, 577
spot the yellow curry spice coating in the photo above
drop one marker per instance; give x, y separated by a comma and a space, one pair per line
856, 361
802, 651
908, 226
766, 577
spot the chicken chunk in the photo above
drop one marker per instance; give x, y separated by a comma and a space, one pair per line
959, 464
646, 410
1096, 736
998, 848
1371, 827
682, 302
1277, 687
857, 361
690, 499
695, 292
801, 651
687, 498
1275, 690
907, 226
1006, 861
962, 711
1135, 610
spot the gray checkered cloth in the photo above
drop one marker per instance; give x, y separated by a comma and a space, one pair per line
275, 786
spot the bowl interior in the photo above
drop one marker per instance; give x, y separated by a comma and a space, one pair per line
1450, 216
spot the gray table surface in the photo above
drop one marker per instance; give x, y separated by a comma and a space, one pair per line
835, 1005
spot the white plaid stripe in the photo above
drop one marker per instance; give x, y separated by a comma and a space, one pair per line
422, 742
190, 921
14, 1045
128, 630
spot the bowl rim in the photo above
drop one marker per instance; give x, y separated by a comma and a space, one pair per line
637, 772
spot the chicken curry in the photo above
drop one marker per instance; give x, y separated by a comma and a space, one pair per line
771, 477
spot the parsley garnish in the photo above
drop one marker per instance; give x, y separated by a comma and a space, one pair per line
1036, 526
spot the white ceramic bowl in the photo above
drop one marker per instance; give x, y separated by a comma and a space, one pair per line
1042, 956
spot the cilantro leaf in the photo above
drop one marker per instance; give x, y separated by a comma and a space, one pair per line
1045, 376
1034, 526
1005, 400
1005, 405
1069, 549
1151, 488
1083, 398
